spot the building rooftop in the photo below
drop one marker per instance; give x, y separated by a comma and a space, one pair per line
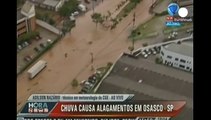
52, 3
185, 2
19, 15
27, 7
159, 82
185, 48
190, 10
37, 1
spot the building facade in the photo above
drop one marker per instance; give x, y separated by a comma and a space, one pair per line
26, 20
178, 55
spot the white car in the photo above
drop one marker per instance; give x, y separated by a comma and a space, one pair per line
19, 47
143, 53
145, 56
76, 13
49, 41
72, 18
26, 43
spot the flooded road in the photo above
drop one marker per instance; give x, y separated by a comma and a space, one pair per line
85, 38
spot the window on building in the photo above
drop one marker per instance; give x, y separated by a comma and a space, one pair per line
162, 53
181, 60
169, 57
176, 59
182, 66
187, 68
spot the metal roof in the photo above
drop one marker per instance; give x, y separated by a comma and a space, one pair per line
52, 3
27, 7
19, 15
185, 48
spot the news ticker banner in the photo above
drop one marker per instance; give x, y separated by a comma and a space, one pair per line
96, 106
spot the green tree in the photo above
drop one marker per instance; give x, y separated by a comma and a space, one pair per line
158, 60
74, 83
27, 37
109, 13
67, 26
97, 18
68, 8
51, 21
135, 1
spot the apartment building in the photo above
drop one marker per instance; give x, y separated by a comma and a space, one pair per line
26, 20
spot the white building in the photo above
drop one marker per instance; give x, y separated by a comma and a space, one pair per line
178, 55
49, 4
54, 4
26, 19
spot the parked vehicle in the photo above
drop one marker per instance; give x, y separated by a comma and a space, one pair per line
153, 51
145, 56
82, 7
38, 67
43, 45
27, 58
38, 37
49, 41
19, 47
26, 44
72, 18
75, 13
36, 49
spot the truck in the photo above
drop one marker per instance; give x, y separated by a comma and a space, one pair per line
35, 69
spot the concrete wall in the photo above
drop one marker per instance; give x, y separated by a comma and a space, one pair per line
48, 27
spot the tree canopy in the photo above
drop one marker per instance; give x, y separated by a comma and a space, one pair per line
68, 8
97, 18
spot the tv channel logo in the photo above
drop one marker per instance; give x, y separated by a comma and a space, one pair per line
175, 10
36, 107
